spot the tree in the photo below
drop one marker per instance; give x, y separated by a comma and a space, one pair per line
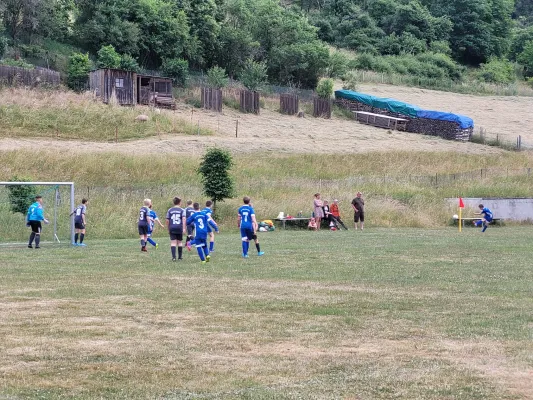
128, 63
20, 16
214, 168
21, 196
177, 69
79, 67
217, 78
108, 57
3, 46
526, 59
253, 75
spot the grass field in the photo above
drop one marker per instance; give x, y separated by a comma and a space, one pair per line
384, 314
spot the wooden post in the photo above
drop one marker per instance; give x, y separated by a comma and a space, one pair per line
116, 134
237, 128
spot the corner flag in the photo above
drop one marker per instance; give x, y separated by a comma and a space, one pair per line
461, 204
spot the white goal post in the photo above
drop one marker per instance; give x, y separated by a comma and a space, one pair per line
53, 185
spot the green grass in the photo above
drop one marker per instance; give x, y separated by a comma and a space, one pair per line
383, 314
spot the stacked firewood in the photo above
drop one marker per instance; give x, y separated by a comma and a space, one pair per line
444, 129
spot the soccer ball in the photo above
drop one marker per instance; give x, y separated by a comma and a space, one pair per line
455, 216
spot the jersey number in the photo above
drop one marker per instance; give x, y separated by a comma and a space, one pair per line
201, 223
141, 216
245, 216
176, 219
78, 212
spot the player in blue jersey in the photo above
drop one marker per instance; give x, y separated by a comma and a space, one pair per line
487, 217
143, 223
33, 219
248, 225
201, 221
154, 219
207, 210
189, 210
176, 224
80, 222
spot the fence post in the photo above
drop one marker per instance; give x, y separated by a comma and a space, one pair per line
236, 128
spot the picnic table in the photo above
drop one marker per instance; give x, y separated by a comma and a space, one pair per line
381, 121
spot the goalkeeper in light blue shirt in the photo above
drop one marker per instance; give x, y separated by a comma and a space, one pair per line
33, 219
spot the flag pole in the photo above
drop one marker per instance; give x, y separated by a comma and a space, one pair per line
460, 220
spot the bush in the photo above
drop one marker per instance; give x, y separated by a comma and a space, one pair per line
108, 57
337, 65
530, 82
177, 69
78, 70
253, 75
350, 81
16, 63
497, 70
217, 77
3, 46
324, 89
128, 63
450, 67
21, 196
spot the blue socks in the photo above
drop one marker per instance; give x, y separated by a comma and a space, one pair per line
211, 246
245, 247
484, 228
200, 251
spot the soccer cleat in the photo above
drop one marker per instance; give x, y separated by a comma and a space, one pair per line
144, 249
189, 246
203, 262
82, 245
157, 245
173, 259
180, 258
261, 253
74, 244
37, 247
208, 258
244, 255
30, 246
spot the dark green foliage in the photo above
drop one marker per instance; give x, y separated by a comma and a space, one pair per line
21, 196
79, 66
3, 46
526, 59
128, 63
214, 169
253, 74
177, 69
108, 57
337, 65
217, 77
17, 63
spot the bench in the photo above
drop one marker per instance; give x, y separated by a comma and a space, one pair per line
380, 120
470, 220
295, 219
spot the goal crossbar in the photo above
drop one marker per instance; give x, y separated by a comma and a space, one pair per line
72, 204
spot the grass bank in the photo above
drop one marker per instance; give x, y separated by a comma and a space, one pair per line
405, 314
64, 114
401, 188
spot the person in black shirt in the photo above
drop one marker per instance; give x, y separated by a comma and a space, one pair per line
358, 205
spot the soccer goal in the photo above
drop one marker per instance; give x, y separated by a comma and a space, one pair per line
58, 204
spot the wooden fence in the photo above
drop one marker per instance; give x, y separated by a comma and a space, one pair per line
212, 99
321, 107
14, 76
288, 103
249, 102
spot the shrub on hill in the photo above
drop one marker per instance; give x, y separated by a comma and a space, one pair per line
497, 70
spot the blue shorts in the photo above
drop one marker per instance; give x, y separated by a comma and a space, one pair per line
200, 242
487, 218
247, 233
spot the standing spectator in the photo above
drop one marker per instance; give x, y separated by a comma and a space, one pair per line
319, 212
334, 209
33, 219
358, 205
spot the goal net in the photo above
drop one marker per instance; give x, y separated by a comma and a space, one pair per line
58, 205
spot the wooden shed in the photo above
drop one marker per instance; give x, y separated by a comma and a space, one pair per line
108, 83
155, 90
130, 88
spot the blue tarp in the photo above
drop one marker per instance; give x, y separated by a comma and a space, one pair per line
463, 121
400, 107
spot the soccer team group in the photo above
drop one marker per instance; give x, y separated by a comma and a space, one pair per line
194, 224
